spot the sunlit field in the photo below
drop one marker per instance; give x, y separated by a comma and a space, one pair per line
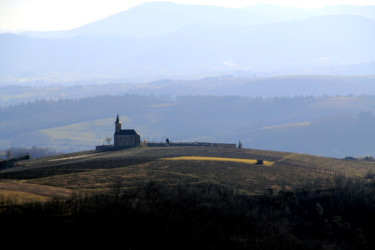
201, 158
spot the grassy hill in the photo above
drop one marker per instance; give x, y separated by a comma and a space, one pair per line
189, 198
58, 177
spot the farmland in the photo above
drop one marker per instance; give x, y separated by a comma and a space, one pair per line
190, 197
90, 171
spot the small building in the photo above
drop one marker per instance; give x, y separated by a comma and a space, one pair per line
125, 137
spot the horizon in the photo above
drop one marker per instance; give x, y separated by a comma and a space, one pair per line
40, 15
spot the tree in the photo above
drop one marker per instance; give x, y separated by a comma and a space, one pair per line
9, 154
319, 209
239, 144
108, 140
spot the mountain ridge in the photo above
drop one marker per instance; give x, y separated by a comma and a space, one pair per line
176, 16
295, 47
152, 45
277, 13
157, 18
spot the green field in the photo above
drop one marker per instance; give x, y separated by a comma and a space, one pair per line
91, 132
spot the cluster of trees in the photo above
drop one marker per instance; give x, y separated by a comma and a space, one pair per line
33, 152
203, 216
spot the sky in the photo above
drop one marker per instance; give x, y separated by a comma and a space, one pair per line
46, 15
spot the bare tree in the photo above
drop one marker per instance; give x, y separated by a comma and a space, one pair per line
108, 140
9, 154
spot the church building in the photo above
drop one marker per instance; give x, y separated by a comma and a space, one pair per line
125, 137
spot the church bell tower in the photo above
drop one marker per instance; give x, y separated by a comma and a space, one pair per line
117, 125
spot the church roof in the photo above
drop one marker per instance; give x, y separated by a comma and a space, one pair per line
126, 132
118, 119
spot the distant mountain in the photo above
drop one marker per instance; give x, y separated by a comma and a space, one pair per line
335, 39
159, 18
164, 40
295, 47
275, 13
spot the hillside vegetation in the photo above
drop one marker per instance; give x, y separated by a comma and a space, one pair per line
190, 197
91, 171
335, 126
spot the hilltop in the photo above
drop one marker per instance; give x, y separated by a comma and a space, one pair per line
95, 172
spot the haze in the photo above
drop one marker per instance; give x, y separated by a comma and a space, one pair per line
275, 77
42, 15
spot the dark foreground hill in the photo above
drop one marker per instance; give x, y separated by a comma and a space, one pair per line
189, 197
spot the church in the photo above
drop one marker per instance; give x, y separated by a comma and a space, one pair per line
125, 137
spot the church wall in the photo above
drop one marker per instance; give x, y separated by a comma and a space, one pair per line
126, 140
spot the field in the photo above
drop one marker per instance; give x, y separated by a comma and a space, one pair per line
90, 172
188, 198
77, 134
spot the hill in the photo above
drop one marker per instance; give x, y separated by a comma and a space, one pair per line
161, 18
335, 126
95, 172
189, 197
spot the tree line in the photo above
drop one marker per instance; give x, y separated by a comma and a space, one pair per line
33, 152
330, 122
201, 216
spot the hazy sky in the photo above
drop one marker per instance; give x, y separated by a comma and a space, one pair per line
20, 15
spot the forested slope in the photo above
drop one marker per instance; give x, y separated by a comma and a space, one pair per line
332, 126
